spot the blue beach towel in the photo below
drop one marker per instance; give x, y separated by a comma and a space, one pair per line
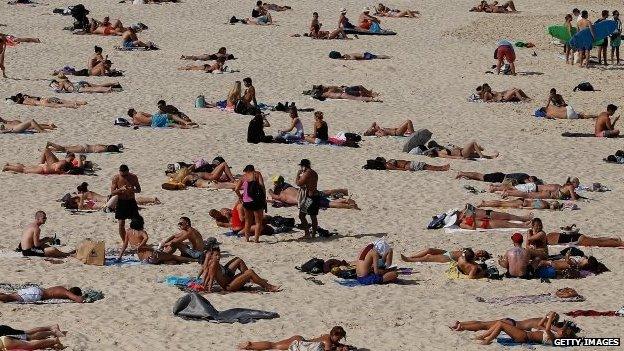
125, 261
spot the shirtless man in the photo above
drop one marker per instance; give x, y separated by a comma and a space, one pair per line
217, 67
604, 127
537, 242
84, 149
188, 241
288, 194
125, 185
466, 264
32, 245
3, 44
172, 111
48, 164
516, 260
33, 294
159, 120
307, 180
557, 108
222, 53
372, 263
315, 23
582, 24
130, 39
249, 95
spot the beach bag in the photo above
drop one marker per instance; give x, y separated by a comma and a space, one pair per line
375, 164
313, 266
584, 86
437, 222
120, 121
91, 252
200, 102
353, 137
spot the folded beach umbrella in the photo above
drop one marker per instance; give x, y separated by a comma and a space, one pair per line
420, 137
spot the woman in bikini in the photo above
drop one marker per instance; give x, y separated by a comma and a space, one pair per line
64, 85
571, 235
343, 92
329, 341
217, 67
85, 149
321, 130
549, 191
221, 177
537, 243
525, 324
442, 256
206, 57
48, 164
486, 94
472, 222
535, 204
586, 263
90, 200
471, 151
21, 127
405, 129
384, 11
23, 99
317, 33
542, 336
470, 210
413, 166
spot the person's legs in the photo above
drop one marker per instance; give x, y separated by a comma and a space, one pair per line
600, 241
406, 128
437, 168
147, 200
55, 253
55, 147
304, 224
237, 264
495, 223
48, 156
96, 89
122, 228
518, 335
473, 325
9, 297
268, 345
469, 175
249, 217
16, 167
434, 258
168, 258
314, 220
205, 57
10, 344
501, 203
423, 253
258, 217
372, 130
250, 276
509, 217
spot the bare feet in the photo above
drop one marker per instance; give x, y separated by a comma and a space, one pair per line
57, 331
404, 258
274, 288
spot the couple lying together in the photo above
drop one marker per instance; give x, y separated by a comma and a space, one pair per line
50, 164
54, 102
525, 186
201, 174
469, 262
485, 94
84, 199
285, 193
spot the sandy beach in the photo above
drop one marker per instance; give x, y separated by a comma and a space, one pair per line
437, 61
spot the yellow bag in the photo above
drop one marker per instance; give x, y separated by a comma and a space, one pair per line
91, 252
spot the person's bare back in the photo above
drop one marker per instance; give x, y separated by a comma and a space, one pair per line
195, 238
28, 236
602, 123
60, 292
518, 260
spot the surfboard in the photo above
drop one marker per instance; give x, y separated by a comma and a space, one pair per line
561, 33
583, 39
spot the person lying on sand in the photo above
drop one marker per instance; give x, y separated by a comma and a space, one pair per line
15, 126
472, 150
288, 194
84, 199
586, 263
275, 7
541, 336
226, 276
498, 177
63, 85
188, 241
217, 67
234, 218
24, 99
220, 175
530, 186
38, 333
467, 220
106, 27
136, 238
48, 164
557, 108
32, 245
384, 11
373, 263
472, 211
405, 129
159, 120
443, 256
85, 149
566, 191
485, 93
36, 294
357, 92
604, 127
222, 53
356, 56
523, 324
12, 40
329, 341
572, 236
535, 204
483, 6
406, 165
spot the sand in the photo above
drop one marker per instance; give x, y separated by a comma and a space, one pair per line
437, 62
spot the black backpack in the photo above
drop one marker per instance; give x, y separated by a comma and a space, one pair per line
353, 137
585, 86
256, 191
375, 164
279, 221
437, 222
313, 266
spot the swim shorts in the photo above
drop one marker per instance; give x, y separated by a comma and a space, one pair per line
5, 330
570, 113
34, 252
506, 52
369, 56
263, 20
30, 294
496, 177
417, 166
160, 121
128, 44
126, 209
191, 253
314, 205
371, 279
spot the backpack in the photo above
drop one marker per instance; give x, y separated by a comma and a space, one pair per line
256, 191
200, 102
375, 164
353, 137
313, 266
584, 86
437, 222
279, 221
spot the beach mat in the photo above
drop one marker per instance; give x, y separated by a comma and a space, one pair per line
456, 229
583, 135
125, 261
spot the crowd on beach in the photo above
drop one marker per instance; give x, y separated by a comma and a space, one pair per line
530, 255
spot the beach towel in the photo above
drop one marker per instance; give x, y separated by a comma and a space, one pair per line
583, 135
453, 272
175, 280
134, 48
593, 313
456, 229
530, 299
125, 261
196, 307
509, 342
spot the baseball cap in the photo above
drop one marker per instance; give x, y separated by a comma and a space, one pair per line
277, 179
517, 238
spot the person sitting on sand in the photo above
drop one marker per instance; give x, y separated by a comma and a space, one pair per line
63, 85
405, 129
85, 149
217, 67
472, 150
573, 236
220, 177
188, 241
366, 21
544, 336
34, 294
373, 263
485, 93
356, 56
357, 92
287, 194
507, 7
498, 177
295, 131
226, 275
442, 256
384, 11
221, 53
106, 27
136, 238
604, 127
566, 191
32, 245
317, 33
343, 21
159, 120
48, 164
413, 166
516, 259
97, 58
557, 108
131, 40
329, 341
249, 97
321, 130
261, 14
28, 100
537, 243
31, 126
534, 204
466, 265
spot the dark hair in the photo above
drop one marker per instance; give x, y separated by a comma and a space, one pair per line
584, 14
479, 88
575, 10
611, 108
536, 220
112, 148
469, 255
338, 331
76, 291
186, 219
247, 80
222, 50
108, 62
124, 168
553, 91
221, 59
293, 112
161, 102
137, 223
314, 13
616, 13
82, 187
605, 13
97, 49
249, 168
258, 2
131, 112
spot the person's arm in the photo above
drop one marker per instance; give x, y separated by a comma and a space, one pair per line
302, 178
265, 122
473, 274
71, 296
614, 121
292, 126
254, 97
168, 240
136, 186
181, 237
261, 180
548, 102
237, 188
144, 239
591, 29
375, 259
503, 262
36, 233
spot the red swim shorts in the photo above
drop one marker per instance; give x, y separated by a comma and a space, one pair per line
506, 52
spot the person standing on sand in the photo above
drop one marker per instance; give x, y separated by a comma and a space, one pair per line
309, 199
125, 185
604, 127
602, 49
582, 24
3, 44
505, 52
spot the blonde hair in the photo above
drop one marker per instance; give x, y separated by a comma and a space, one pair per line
235, 93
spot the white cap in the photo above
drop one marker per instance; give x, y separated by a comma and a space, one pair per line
381, 246
366, 9
343, 10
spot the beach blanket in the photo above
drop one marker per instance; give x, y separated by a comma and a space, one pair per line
523, 299
196, 307
509, 342
125, 261
593, 313
583, 135
457, 229
453, 272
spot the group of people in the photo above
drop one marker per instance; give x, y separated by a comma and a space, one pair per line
578, 21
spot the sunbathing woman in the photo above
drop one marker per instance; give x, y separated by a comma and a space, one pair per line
535, 204
48, 164
356, 56
227, 279
90, 200
405, 129
136, 237
470, 210
321, 130
11, 343
234, 96
472, 222
486, 94
234, 218
317, 33
106, 27
23, 99
544, 336
525, 324
216, 67
287, 194
573, 236
160, 120
221, 174
64, 85
442, 256
549, 191
329, 341
21, 127
222, 53
275, 7
384, 11
471, 151
405, 165
13, 40
85, 149
587, 263
557, 108
343, 92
